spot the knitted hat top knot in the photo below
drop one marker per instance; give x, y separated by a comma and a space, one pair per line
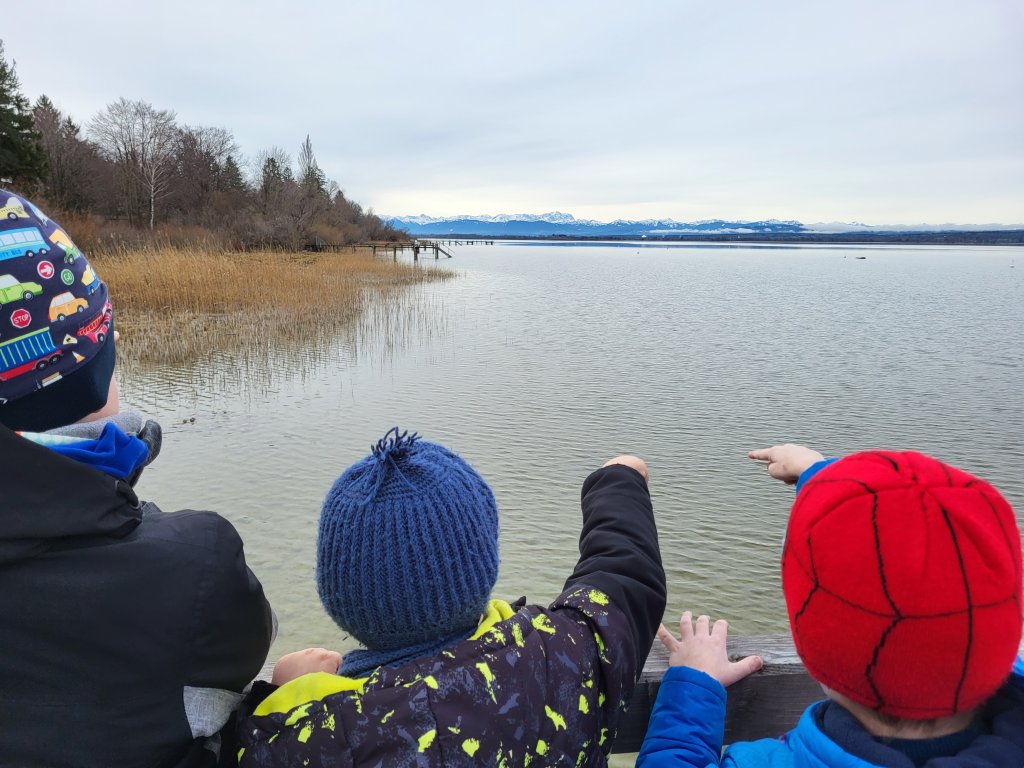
407, 552
902, 578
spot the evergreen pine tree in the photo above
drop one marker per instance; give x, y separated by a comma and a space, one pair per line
22, 160
231, 176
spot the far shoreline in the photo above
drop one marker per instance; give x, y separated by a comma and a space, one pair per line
986, 237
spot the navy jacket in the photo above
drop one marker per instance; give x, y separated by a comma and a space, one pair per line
115, 617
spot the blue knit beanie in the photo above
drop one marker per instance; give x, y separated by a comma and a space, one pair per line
407, 553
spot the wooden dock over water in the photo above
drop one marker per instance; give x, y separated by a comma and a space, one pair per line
416, 246
439, 247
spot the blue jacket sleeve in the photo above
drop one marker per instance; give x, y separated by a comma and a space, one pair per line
687, 724
811, 471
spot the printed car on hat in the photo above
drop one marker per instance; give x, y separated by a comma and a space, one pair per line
89, 279
65, 304
15, 243
13, 290
59, 237
13, 209
98, 328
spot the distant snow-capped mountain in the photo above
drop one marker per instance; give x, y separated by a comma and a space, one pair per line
856, 226
565, 224
554, 218
557, 224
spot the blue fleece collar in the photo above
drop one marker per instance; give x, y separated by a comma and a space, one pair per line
113, 452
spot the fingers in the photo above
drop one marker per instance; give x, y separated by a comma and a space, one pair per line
720, 630
686, 626
667, 639
634, 462
747, 666
703, 623
331, 660
760, 454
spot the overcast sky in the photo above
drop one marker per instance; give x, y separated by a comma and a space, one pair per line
882, 112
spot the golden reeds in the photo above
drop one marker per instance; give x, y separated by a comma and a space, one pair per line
175, 305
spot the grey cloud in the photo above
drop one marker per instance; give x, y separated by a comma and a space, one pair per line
808, 110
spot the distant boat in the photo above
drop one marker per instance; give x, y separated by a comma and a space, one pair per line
860, 257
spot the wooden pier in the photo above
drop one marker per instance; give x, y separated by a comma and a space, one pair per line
439, 247
416, 246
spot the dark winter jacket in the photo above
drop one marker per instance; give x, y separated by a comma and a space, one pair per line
120, 623
534, 686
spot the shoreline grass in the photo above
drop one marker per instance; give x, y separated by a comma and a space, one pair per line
177, 305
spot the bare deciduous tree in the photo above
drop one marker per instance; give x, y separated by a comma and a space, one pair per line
143, 142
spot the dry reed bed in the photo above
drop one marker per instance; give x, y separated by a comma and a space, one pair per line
174, 306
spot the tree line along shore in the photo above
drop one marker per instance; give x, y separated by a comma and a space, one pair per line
180, 224
133, 175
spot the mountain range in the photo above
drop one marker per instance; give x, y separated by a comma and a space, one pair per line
558, 224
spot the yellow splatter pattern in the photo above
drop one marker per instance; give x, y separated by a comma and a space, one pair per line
476, 703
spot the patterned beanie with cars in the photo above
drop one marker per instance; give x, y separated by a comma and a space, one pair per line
56, 323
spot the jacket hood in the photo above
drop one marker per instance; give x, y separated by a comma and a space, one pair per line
49, 499
1001, 746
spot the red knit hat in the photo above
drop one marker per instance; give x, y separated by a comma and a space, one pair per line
902, 578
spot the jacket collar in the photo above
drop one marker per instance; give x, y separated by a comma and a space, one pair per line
47, 497
1001, 746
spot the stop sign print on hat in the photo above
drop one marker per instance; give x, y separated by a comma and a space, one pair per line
20, 318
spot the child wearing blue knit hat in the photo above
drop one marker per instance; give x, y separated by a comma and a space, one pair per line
407, 553
407, 556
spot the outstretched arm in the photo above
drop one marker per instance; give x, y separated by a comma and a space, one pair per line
619, 552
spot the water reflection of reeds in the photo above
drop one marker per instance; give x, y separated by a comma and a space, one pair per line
234, 322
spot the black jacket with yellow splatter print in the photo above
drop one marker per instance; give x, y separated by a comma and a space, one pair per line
534, 686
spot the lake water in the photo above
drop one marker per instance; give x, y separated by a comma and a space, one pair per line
541, 361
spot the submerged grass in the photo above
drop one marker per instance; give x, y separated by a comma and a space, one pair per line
175, 306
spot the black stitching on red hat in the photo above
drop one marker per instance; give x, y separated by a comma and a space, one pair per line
878, 555
814, 580
1010, 544
970, 607
949, 477
889, 459
874, 662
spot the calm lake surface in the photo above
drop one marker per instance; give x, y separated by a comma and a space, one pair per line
541, 361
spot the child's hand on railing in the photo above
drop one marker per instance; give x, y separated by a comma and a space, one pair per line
703, 648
